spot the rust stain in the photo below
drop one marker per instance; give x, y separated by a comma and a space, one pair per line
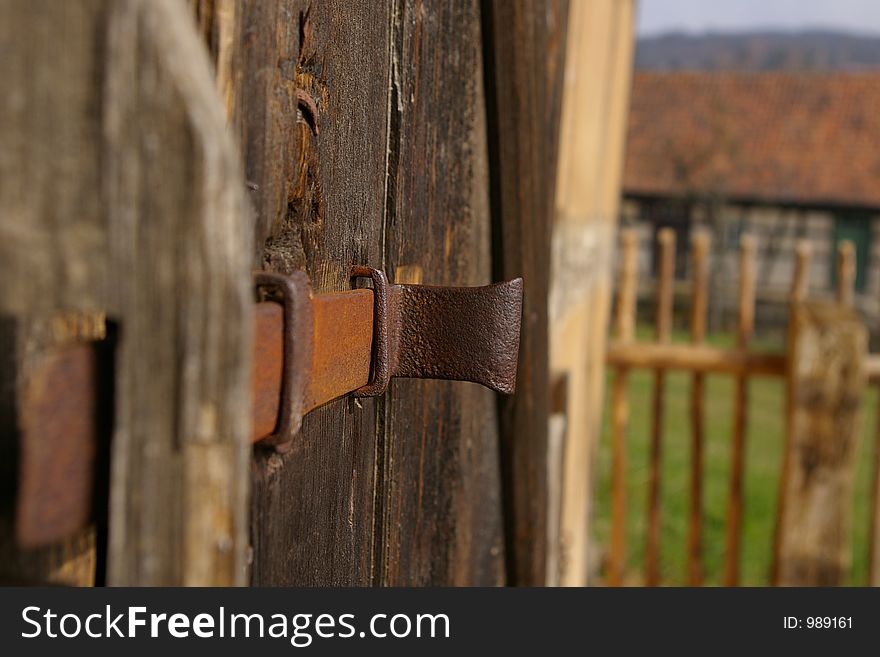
268, 357
57, 463
343, 337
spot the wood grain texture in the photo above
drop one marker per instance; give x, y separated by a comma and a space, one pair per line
386, 171
441, 520
314, 509
524, 47
126, 197
827, 384
178, 230
598, 64
52, 258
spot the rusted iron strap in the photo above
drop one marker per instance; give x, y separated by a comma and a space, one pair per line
458, 333
338, 341
361, 338
307, 350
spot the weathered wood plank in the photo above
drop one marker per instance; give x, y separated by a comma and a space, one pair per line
524, 46
846, 272
121, 195
173, 188
441, 508
313, 510
800, 289
598, 64
827, 388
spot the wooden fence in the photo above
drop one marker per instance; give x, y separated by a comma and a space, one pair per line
826, 368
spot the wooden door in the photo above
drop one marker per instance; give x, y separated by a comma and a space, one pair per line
415, 137
366, 140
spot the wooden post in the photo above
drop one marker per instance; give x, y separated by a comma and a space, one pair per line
699, 305
625, 331
746, 305
666, 245
598, 66
826, 380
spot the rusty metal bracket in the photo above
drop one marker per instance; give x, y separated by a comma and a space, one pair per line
380, 367
435, 332
296, 300
357, 341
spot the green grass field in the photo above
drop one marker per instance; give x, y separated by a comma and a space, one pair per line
762, 465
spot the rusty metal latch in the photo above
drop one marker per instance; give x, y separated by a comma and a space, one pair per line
370, 336
308, 350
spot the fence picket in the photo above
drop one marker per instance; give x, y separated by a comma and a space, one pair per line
699, 306
746, 307
666, 270
624, 321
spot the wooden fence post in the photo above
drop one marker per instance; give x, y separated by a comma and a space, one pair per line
826, 381
699, 306
746, 304
665, 281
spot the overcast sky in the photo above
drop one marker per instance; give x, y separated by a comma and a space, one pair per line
655, 16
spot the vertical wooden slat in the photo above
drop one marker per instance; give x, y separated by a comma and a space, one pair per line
800, 289
746, 307
624, 323
316, 510
121, 195
598, 65
524, 48
441, 472
699, 305
846, 272
666, 245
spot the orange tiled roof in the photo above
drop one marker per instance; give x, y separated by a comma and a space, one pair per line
804, 138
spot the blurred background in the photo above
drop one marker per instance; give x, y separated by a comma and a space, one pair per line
750, 183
